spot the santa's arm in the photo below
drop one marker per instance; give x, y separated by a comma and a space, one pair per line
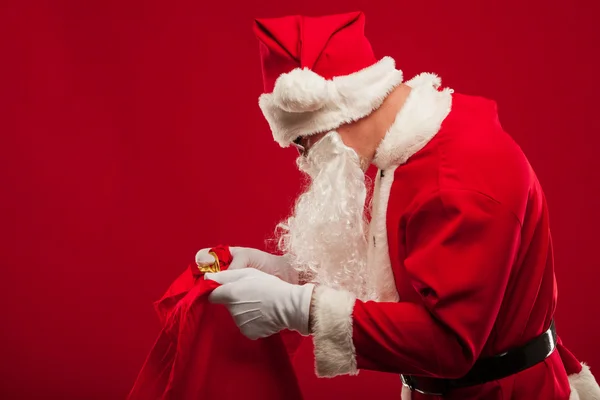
461, 246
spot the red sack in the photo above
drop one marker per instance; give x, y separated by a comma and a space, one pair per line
201, 354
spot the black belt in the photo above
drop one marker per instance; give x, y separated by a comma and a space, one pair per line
490, 368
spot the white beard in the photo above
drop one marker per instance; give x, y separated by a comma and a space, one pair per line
325, 238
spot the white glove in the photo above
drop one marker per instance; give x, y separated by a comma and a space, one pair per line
262, 304
244, 257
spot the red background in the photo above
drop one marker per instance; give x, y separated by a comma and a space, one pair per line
130, 137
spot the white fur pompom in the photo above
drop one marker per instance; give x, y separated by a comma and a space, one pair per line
301, 90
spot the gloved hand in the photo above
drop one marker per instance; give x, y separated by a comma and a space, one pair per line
262, 304
244, 257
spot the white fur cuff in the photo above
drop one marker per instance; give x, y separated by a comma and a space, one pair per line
334, 349
583, 385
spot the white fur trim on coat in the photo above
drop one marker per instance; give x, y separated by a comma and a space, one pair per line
334, 350
419, 119
584, 385
304, 103
382, 285
417, 122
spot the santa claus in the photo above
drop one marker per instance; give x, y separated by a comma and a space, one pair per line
451, 283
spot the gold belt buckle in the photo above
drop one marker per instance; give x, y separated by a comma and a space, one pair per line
210, 268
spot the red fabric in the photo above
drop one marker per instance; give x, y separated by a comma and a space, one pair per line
201, 354
571, 363
471, 253
332, 45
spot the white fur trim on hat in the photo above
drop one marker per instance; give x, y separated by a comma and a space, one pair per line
334, 350
304, 103
301, 90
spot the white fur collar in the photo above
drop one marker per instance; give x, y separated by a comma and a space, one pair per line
417, 122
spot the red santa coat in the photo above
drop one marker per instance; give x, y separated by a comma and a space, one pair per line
461, 254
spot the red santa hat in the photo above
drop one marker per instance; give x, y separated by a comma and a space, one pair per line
319, 73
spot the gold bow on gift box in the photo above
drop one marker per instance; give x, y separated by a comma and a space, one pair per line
212, 267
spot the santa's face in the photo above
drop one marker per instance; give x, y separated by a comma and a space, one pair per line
326, 235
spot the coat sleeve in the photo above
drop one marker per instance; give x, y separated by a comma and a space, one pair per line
460, 248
